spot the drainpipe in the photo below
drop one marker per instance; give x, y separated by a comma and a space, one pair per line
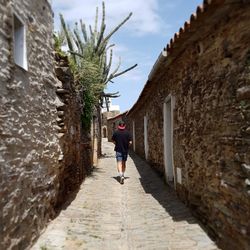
161, 58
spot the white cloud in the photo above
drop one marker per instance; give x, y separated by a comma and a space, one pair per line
135, 75
128, 59
145, 18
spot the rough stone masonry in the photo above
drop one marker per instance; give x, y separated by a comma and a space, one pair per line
204, 82
29, 146
40, 133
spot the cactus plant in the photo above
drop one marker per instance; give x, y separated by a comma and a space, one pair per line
88, 53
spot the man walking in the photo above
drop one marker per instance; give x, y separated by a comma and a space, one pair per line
122, 139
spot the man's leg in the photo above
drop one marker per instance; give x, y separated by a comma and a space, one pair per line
121, 159
124, 159
120, 171
123, 164
119, 163
119, 167
123, 167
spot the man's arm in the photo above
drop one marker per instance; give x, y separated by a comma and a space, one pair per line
113, 138
130, 139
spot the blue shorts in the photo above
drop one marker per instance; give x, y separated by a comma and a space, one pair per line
121, 156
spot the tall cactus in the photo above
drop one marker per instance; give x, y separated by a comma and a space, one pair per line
88, 55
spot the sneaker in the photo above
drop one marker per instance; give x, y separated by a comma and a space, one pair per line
122, 179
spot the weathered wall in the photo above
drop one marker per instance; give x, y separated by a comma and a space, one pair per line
29, 148
42, 157
105, 116
208, 73
76, 157
112, 124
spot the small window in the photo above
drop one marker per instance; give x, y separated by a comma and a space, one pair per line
20, 54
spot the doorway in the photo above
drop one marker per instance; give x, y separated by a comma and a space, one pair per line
168, 140
104, 132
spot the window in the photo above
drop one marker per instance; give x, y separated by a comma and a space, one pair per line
20, 54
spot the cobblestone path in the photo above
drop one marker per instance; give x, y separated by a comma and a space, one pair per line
141, 214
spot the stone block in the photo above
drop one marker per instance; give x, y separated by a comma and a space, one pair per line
243, 93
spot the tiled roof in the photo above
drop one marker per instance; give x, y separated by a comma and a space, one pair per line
117, 116
179, 38
188, 24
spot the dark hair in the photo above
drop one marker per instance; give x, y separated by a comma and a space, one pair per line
122, 123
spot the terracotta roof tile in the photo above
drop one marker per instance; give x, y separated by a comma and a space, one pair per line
200, 9
188, 25
117, 116
181, 30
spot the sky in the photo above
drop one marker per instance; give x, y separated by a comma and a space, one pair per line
140, 40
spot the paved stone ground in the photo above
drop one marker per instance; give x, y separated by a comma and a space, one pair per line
141, 214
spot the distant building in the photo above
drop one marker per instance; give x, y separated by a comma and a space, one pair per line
113, 111
112, 123
111, 107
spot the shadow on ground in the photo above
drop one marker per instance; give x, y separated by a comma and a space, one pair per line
117, 178
107, 156
73, 193
153, 184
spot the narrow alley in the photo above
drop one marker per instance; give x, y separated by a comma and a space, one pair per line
141, 214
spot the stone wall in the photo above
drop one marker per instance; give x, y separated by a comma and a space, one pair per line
207, 74
41, 153
76, 157
105, 116
112, 124
29, 142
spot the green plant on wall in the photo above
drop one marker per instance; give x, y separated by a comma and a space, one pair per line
90, 56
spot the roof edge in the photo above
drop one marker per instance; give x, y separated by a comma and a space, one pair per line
167, 51
121, 114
